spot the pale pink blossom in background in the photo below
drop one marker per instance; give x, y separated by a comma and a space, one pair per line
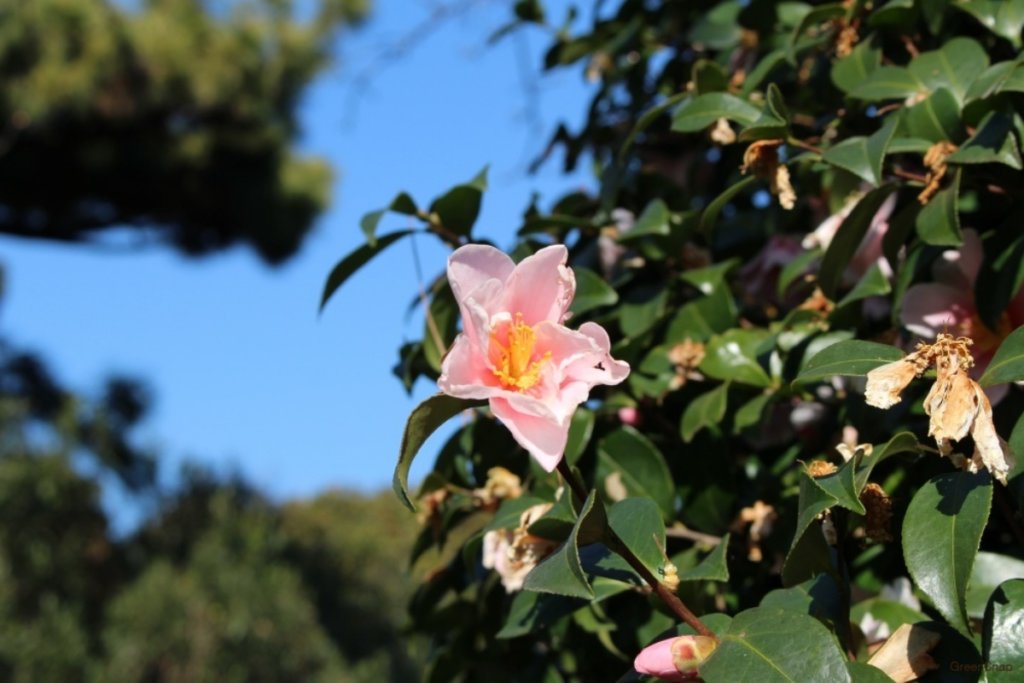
675, 659
514, 350
947, 304
759, 276
869, 252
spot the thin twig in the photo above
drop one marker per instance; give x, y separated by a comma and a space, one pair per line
618, 546
691, 535
431, 324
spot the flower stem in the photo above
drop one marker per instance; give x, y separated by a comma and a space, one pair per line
616, 544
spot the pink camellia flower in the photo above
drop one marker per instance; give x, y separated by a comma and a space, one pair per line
514, 349
869, 252
947, 305
675, 659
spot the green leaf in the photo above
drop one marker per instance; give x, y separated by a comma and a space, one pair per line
749, 414
842, 487
649, 117
733, 357
992, 143
638, 523
653, 221
704, 110
768, 645
861, 672
713, 567
909, 146
935, 119
1008, 363
938, 223
639, 464
760, 72
701, 319
848, 238
708, 77
356, 260
852, 70
799, 265
704, 411
424, 420
1005, 18
941, 533
531, 611
953, 66
863, 156
581, 428
1003, 640
444, 312
873, 283
903, 442
458, 208
641, 310
591, 292
402, 203
990, 570
892, 614
852, 357
773, 121
818, 597
817, 16
887, 83
711, 211
561, 573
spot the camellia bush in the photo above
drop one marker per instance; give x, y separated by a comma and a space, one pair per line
746, 412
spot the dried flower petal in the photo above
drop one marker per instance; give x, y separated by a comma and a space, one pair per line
904, 656
723, 133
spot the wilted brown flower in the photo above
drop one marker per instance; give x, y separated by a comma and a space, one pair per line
723, 133
956, 404
820, 468
501, 484
762, 159
878, 513
935, 160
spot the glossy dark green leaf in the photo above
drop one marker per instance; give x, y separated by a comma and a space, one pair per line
718, 28
711, 211
820, 18
706, 410
841, 486
902, 442
770, 645
1008, 363
936, 118
892, 614
638, 523
938, 223
795, 268
749, 414
653, 221
641, 309
581, 428
953, 66
458, 208
639, 466
561, 572
872, 283
818, 597
356, 260
853, 357
402, 203
761, 71
439, 328
887, 83
861, 672
591, 292
774, 119
709, 76
1005, 18
530, 611
992, 143
941, 534
901, 145
853, 69
989, 571
423, 421
702, 111
1003, 639
701, 319
713, 567
848, 238
733, 357
708, 279
649, 117
1001, 274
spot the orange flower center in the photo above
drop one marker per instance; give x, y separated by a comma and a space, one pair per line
512, 354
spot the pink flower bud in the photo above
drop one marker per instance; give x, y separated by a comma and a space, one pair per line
675, 659
629, 415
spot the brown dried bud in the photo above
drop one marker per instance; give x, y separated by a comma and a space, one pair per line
820, 468
878, 513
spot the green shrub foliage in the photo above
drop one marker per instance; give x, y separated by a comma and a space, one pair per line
788, 196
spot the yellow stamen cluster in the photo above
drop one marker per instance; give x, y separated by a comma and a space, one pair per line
513, 358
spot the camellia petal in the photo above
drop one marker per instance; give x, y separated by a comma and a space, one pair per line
931, 308
514, 350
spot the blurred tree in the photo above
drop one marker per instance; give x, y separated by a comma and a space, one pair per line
174, 119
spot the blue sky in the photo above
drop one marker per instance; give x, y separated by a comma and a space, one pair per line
246, 375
